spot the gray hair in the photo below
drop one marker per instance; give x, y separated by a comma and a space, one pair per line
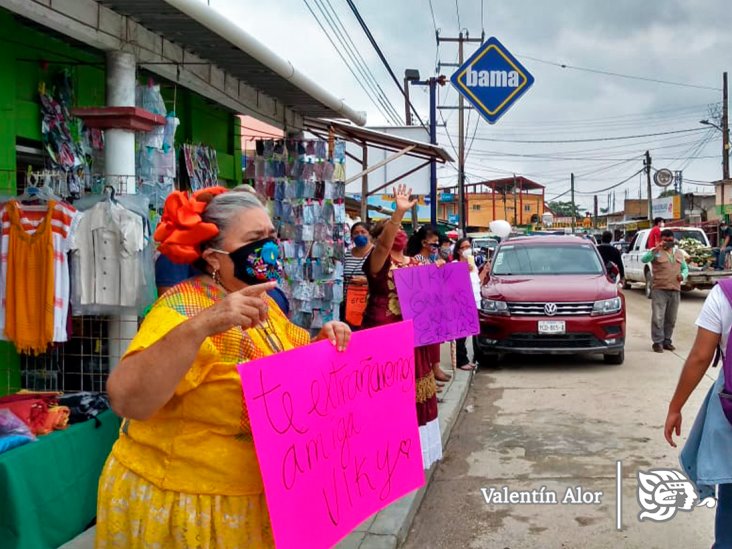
246, 188
222, 210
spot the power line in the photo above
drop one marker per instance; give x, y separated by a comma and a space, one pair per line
437, 32
591, 140
348, 65
620, 75
611, 186
336, 24
618, 118
432, 11
383, 58
457, 10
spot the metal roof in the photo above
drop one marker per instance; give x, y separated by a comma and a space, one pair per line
374, 138
199, 29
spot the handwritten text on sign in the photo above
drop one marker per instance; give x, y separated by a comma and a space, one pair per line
335, 433
440, 302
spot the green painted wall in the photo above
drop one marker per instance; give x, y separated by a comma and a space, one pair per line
28, 57
202, 121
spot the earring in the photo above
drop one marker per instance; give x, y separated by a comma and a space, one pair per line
216, 277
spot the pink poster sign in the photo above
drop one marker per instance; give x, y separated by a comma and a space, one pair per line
335, 433
440, 302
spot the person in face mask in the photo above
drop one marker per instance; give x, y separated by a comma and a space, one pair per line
424, 246
353, 263
383, 308
353, 275
463, 253
180, 370
446, 253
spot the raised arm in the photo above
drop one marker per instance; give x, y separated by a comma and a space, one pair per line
383, 244
145, 381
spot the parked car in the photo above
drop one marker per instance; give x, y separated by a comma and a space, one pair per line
551, 295
480, 243
637, 271
621, 245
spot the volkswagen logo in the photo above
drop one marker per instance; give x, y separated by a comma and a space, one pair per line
550, 309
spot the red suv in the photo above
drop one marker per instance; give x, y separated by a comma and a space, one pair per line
551, 295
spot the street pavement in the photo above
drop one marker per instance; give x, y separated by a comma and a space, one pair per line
563, 422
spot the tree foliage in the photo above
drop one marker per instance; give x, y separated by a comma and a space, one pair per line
565, 209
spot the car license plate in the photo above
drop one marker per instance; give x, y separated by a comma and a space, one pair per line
552, 327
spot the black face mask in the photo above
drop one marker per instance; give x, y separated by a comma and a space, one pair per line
257, 262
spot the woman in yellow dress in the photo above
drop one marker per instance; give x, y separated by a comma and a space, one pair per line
184, 472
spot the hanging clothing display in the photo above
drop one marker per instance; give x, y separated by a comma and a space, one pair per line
112, 264
307, 204
69, 144
202, 166
34, 273
155, 159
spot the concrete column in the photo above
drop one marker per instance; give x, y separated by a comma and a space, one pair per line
119, 170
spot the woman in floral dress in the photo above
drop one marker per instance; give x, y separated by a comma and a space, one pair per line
383, 308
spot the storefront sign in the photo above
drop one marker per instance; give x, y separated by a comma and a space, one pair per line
336, 433
492, 80
668, 207
439, 300
447, 197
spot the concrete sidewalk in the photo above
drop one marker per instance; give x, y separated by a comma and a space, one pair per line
389, 528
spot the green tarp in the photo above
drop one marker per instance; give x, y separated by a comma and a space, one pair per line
48, 488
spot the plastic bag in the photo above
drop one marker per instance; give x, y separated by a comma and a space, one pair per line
10, 424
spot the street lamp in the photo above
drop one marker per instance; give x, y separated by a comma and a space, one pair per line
410, 75
708, 123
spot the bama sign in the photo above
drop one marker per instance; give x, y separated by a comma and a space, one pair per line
492, 80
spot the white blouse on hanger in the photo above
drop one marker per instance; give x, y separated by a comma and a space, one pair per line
107, 248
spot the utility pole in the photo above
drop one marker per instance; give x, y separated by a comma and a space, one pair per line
574, 206
647, 163
594, 224
461, 40
725, 140
412, 76
461, 149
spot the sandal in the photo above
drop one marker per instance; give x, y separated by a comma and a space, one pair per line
467, 367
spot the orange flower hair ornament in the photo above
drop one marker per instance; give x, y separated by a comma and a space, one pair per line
181, 230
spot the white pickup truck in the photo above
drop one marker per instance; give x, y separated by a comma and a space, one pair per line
637, 271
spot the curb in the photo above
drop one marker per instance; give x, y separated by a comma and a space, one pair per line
389, 528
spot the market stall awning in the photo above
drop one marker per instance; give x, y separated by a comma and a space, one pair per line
375, 138
421, 153
197, 27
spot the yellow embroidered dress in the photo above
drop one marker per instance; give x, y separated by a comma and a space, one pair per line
188, 477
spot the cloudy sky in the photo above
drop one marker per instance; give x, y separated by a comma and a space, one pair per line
682, 41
